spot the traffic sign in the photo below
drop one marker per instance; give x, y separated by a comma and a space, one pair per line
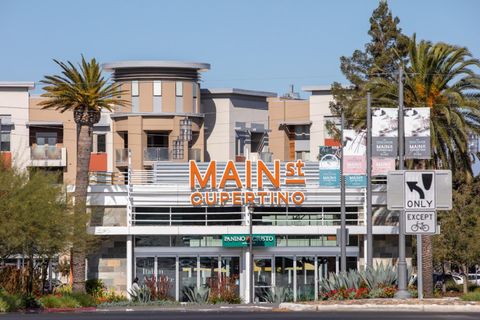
420, 222
419, 190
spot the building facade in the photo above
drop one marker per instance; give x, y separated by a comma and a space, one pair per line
140, 195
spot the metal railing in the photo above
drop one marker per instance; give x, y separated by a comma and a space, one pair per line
156, 154
121, 155
107, 178
46, 152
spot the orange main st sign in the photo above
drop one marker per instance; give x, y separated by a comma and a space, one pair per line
210, 190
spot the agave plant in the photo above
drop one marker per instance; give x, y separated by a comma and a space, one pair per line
350, 279
141, 294
278, 295
197, 295
380, 276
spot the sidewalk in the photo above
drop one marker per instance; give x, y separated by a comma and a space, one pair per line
196, 307
409, 305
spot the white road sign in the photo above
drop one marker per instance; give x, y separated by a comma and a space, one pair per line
419, 190
420, 222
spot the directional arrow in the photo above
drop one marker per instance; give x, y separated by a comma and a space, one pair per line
412, 185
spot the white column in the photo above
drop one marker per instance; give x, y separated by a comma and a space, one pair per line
248, 278
365, 251
315, 276
177, 278
294, 279
198, 272
337, 266
155, 268
129, 262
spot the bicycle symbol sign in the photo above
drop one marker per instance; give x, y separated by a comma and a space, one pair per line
420, 222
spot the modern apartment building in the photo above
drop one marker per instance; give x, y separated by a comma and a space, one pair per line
141, 195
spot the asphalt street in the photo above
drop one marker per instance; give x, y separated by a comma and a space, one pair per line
235, 315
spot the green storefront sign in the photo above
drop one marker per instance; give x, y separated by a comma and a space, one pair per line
242, 240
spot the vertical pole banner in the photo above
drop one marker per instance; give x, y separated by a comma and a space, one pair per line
354, 152
381, 166
385, 132
329, 167
417, 133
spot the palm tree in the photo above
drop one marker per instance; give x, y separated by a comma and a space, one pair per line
439, 76
85, 92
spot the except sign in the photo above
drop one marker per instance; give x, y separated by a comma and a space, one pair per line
419, 190
242, 240
417, 222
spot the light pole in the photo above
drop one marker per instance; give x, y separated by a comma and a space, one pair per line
369, 184
402, 292
343, 240
250, 250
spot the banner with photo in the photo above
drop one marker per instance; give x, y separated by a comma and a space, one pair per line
329, 170
385, 132
354, 152
381, 166
417, 133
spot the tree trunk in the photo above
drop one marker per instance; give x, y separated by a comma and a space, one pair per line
84, 148
427, 266
30, 274
465, 278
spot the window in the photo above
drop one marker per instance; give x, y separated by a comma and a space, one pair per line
4, 140
135, 88
179, 88
46, 138
157, 88
101, 143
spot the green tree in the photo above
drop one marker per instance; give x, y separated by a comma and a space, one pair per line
459, 228
441, 77
85, 92
34, 218
382, 56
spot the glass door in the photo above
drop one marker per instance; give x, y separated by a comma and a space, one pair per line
262, 272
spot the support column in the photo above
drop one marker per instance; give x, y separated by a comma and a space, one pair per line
177, 277
129, 263
315, 265
294, 278
337, 266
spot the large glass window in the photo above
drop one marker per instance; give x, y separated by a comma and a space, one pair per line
188, 276
179, 88
305, 278
145, 269
166, 267
135, 88
262, 278
284, 274
208, 271
4, 140
101, 143
157, 87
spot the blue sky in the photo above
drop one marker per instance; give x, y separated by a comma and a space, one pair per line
262, 45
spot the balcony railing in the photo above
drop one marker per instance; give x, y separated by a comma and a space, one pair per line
156, 154
107, 178
48, 156
195, 154
121, 156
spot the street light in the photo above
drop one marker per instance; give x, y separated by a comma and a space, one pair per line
250, 252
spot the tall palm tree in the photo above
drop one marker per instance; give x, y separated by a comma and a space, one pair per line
439, 76
85, 92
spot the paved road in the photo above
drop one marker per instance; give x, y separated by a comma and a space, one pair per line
235, 315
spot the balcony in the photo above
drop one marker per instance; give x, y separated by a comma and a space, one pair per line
48, 156
156, 154
121, 157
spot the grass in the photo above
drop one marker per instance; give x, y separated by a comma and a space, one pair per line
471, 296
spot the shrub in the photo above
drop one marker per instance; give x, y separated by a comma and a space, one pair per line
84, 299
111, 296
160, 287
30, 302
95, 287
376, 293
55, 301
142, 294
278, 295
471, 296
13, 301
223, 290
63, 289
3, 305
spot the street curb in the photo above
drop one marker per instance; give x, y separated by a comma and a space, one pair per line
377, 307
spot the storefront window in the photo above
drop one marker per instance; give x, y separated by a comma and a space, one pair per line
145, 268
263, 278
208, 271
284, 274
305, 278
188, 276
166, 267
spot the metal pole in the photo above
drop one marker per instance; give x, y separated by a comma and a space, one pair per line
419, 267
343, 242
402, 292
369, 184
250, 249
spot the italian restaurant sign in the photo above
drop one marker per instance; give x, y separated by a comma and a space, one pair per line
243, 240
258, 185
